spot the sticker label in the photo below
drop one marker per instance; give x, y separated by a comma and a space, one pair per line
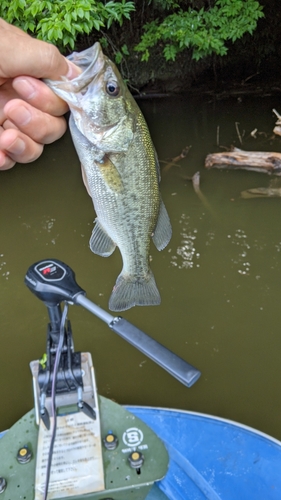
77, 466
133, 437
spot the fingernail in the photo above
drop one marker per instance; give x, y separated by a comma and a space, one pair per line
20, 116
17, 147
24, 88
73, 71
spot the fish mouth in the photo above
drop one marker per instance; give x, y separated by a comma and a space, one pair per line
92, 58
91, 62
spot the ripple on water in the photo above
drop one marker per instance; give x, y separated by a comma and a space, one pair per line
186, 256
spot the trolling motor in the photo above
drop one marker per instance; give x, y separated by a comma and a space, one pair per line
53, 282
67, 376
70, 414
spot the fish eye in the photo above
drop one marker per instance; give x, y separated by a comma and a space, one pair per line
112, 89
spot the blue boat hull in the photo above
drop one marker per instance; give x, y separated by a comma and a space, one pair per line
213, 458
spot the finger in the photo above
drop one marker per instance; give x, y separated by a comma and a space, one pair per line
39, 95
32, 57
6, 94
5, 162
8, 124
41, 127
19, 147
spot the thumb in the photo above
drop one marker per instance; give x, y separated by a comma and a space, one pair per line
23, 55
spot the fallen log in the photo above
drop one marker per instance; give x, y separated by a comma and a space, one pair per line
259, 161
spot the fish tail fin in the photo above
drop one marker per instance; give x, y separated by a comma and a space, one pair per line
129, 292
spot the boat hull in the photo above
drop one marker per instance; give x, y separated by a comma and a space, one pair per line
213, 458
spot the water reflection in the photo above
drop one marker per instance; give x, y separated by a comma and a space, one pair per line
240, 239
186, 255
3, 270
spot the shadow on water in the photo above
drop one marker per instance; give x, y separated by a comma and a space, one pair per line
219, 277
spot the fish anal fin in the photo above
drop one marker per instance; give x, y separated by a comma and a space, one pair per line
129, 292
110, 174
100, 242
163, 230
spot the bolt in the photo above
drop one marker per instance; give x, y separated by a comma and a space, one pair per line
24, 455
110, 441
3, 484
136, 460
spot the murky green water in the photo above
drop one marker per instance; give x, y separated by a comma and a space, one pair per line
219, 278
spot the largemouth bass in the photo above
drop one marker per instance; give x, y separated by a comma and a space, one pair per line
121, 173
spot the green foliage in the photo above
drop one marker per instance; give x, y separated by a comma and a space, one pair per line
205, 31
121, 53
60, 21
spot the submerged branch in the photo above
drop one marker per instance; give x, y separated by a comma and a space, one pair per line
173, 162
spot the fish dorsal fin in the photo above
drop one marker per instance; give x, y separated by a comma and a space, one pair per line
110, 174
163, 230
100, 242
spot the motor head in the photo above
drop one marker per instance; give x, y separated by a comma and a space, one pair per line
52, 281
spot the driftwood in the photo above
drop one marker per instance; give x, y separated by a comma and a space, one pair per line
258, 161
272, 191
277, 128
262, 192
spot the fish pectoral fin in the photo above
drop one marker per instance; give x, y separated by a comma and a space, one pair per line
110, 174
85, 180
163, 230
100, 242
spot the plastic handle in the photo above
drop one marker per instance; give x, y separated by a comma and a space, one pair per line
173, 364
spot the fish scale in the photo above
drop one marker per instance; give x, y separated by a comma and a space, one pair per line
121, 173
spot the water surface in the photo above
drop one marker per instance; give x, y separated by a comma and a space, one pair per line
219, 278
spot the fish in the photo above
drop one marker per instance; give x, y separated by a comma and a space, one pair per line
120, 170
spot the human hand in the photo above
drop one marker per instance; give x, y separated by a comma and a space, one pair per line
30, 113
